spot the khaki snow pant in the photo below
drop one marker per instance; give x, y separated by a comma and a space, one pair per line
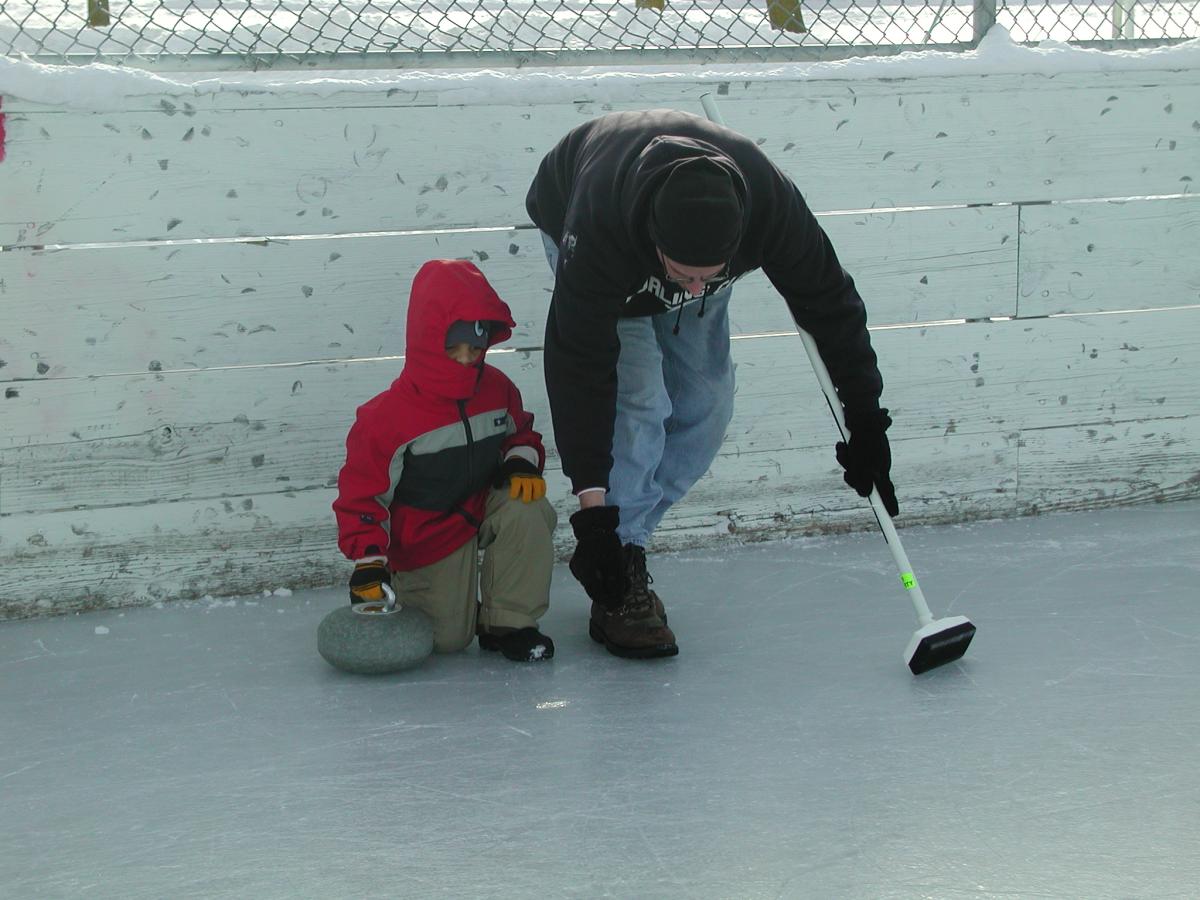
518, 557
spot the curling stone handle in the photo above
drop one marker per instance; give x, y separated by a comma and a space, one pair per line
391, 597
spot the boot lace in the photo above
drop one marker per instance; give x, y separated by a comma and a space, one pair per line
639, 597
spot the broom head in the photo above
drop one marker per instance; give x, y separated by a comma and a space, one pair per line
940, 642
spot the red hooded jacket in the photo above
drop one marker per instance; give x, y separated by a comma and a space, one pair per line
421, 456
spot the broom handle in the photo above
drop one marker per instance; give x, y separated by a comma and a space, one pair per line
907, 578
709, 102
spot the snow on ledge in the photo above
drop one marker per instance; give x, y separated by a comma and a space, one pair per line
97, 85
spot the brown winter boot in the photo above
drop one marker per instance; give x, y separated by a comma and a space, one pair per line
636, 628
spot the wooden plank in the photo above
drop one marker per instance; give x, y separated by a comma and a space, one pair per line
73, 560
167, 171
959, 477
930, 265
145, 439
1097, 465
132, 555
984, 139
1137, 254
148, 308
153, 308
229, 173
997, 376
79, 559
954, 477
591, 93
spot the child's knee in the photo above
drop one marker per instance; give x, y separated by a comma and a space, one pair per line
452, 643
541, 515
454, 630
536, 516
532, 518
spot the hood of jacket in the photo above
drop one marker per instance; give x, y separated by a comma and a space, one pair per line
443, 292
656, 161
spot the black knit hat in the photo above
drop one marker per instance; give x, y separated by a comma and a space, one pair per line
696, 214
474, 334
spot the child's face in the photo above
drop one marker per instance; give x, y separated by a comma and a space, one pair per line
464, 353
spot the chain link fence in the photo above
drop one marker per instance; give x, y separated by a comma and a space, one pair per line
254, 33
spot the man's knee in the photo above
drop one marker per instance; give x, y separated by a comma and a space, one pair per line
723, 411
645, 401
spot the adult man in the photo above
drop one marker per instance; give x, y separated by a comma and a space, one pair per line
643, 213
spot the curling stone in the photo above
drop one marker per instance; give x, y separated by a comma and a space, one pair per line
375, 638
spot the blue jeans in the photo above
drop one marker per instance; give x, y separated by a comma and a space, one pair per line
674, 402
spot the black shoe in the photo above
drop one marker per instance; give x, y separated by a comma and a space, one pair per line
518, 644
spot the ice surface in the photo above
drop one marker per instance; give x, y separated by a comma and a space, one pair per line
203, 750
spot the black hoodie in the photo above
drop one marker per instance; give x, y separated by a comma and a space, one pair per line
592, 193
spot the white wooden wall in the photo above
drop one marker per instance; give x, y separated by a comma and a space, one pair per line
175, 399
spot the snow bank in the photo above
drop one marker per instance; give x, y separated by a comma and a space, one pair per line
92, 86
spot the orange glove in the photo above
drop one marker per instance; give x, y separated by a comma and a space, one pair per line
370, 575
525, 482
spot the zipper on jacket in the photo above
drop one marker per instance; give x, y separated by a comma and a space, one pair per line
466, 420
462, 414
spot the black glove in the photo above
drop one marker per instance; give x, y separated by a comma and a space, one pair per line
524, 480
598, 562
867, 459
368, 580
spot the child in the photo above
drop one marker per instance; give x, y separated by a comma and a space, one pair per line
416, 497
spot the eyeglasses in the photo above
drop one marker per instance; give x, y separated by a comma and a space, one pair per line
684, 280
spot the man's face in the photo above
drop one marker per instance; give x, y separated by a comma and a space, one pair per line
692, 279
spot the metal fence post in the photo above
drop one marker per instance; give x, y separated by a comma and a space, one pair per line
983, 17
97, 16
1122, 20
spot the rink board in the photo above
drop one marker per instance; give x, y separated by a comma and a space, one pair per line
229, 165
195, 306
140, 439
993, 419
175, 409
1081, 257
